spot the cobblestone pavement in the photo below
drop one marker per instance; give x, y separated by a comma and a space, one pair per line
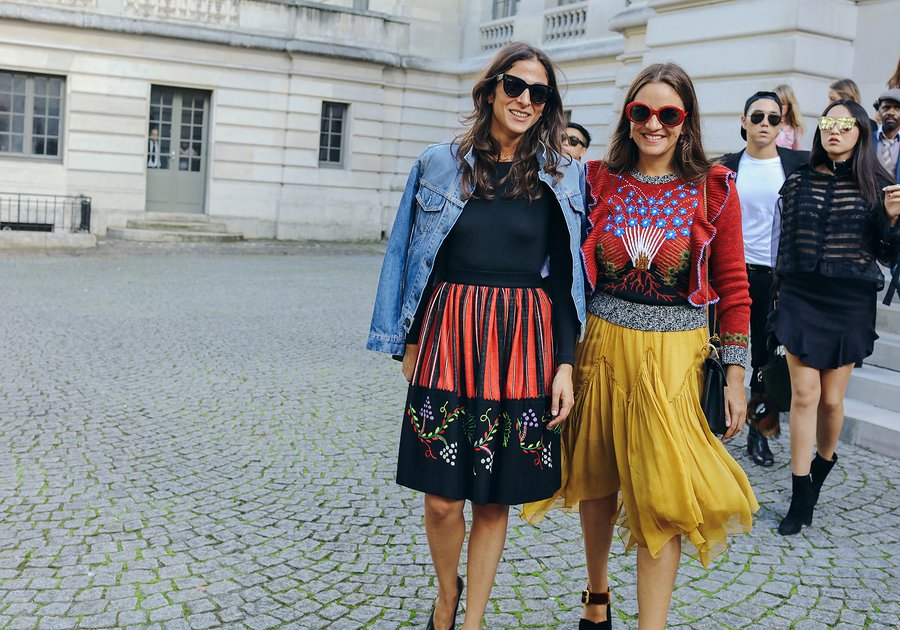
193, 437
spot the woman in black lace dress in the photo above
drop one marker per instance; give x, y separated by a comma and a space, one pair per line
839, 215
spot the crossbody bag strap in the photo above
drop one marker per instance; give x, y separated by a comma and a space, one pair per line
710, 313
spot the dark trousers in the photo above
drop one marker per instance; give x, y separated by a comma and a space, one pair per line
760, 278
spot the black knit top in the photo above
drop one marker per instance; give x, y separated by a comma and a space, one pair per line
827, 226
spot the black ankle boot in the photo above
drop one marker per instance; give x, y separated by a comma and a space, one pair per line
758, 448
800, 512
818, 471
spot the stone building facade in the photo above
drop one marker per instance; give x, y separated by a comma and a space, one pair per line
294, 119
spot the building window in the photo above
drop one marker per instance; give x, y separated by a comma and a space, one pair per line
504, 9
31, 108
331, 137
562, 3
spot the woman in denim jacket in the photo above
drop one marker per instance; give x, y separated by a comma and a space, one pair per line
482, 295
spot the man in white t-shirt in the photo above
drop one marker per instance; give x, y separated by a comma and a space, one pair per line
761, 170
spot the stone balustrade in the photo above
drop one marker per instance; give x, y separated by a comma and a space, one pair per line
565, 24
496, 34
216, 12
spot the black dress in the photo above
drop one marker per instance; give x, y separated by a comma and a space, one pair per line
826, 268
490, 337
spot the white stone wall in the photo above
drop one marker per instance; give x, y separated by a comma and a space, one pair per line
406, 70
263, 176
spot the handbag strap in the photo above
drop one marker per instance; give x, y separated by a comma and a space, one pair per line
713, 341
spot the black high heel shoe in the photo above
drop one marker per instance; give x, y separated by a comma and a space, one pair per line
459, 590
596, 599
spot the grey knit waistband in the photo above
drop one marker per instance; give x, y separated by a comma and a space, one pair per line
651, 317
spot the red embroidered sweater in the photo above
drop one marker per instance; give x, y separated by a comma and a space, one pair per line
649, 243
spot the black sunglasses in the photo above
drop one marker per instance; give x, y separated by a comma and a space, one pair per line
572, 141
757, 117
514, 86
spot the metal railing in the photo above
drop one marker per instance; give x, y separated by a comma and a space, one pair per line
565, 24
45, 213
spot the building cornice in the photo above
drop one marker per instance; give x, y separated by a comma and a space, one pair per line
632, 18
605, 47
132, 26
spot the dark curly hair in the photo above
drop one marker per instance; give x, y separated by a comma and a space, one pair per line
547, 131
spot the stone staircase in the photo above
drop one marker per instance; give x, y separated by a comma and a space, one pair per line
163, 227
872, 406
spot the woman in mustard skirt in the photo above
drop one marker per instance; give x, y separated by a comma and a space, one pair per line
664, 243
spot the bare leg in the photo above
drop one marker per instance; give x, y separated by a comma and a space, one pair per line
655, 581
805, 393
831, 409
598, 534
445, 527
486, 544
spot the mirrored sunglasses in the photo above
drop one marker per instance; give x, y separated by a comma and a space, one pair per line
757, 117
514, 86
668, 115
827, 123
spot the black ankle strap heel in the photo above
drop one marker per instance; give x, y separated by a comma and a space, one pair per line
596, 599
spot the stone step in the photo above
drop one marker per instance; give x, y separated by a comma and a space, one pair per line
168, 226
887, 318
173, 236
871, 427
176, 217
877, 386
887, 352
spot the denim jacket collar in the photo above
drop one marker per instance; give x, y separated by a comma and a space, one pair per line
541, 156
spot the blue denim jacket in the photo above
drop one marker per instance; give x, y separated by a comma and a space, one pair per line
430, 206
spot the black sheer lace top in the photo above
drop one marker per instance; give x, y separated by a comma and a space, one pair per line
827, 226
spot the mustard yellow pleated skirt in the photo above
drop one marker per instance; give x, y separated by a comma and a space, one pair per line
637, 428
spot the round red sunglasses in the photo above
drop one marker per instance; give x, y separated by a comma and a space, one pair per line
668, 115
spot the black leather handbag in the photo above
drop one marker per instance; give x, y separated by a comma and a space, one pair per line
712, 396
776, 379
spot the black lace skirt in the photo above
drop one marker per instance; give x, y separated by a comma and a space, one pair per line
825, 322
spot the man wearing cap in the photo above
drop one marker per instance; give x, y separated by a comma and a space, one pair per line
761, 169
576, 141
887, 139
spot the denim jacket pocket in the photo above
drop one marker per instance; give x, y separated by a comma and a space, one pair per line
429, 204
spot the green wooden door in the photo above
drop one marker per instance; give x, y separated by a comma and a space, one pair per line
177, 150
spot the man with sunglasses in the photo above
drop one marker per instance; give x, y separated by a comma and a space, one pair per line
576, 141
887, 137
887, 150
761, 169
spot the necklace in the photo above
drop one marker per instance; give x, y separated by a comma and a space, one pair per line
653, 179
506, 158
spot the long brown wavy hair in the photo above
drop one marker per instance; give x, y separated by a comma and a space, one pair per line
689, 161
846, 89
547, 131
894, 81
